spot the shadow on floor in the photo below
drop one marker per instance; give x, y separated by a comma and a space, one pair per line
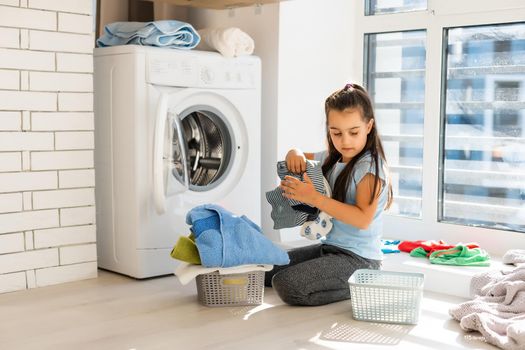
367, 333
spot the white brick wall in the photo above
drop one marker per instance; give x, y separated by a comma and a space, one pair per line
47, 177
9, 79
72, 62
10, 161
59, 121
10, 121
9, 37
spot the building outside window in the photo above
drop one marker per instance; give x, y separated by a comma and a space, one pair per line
448, 88
484, 136
395, 78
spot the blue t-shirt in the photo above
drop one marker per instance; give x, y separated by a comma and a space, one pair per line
366, 243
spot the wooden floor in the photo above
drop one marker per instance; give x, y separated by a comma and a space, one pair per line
116, 312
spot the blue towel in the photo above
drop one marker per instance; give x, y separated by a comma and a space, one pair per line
225, 240
172, 34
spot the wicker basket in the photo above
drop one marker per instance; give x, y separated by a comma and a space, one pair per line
214, 289
384, 296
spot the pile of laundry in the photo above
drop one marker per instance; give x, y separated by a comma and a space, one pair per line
498, 308
442, 253
224, 242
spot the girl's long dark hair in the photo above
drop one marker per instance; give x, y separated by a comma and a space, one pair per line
353, 96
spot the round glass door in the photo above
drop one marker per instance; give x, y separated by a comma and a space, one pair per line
208, 144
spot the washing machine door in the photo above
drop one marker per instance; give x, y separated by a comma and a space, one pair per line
194, 150
169, 159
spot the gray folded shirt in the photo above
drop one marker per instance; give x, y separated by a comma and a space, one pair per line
288, 212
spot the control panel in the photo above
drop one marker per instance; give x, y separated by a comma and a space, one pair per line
201, 69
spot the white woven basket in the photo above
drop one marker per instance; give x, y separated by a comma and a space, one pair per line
386, 296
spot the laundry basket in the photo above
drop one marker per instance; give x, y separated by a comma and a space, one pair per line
214, 289
386, 296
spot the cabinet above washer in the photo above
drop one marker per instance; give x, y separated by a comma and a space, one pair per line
219, 4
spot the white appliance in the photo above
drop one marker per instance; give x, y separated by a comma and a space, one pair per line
173, 129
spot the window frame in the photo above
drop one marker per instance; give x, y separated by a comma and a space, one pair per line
439, 16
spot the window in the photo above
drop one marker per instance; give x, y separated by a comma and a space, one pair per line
378, 7
396, 83
448, 86
483, 144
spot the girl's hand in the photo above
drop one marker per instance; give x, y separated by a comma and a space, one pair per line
296, 161
300, 191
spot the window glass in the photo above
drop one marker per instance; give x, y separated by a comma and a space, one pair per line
379, 7
483, 141
395, 78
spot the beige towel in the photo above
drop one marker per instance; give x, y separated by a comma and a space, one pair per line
187, 272
498, 310
230, 42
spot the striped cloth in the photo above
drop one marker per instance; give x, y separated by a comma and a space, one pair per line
288, 212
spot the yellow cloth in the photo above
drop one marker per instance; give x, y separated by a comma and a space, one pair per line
186, 250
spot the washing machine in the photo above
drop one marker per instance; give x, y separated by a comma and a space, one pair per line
173, 129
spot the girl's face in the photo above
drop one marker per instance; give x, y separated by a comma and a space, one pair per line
348, 131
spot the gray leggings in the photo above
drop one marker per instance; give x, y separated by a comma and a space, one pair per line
317, 275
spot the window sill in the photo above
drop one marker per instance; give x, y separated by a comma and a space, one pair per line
444, 279
219, 4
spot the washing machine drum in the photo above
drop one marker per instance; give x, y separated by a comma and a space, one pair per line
209, 147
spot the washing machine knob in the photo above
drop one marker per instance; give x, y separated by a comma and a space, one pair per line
207, 75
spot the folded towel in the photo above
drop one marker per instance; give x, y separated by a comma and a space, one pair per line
186, 272
230, 42
170, 33
224, 239
514, 256
186, 250
460, 255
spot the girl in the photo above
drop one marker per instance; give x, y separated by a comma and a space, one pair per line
355, 167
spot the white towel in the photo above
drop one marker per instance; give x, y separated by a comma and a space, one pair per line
230, 42
514, 256
186, 272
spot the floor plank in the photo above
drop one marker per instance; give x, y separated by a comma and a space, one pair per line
117, 312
